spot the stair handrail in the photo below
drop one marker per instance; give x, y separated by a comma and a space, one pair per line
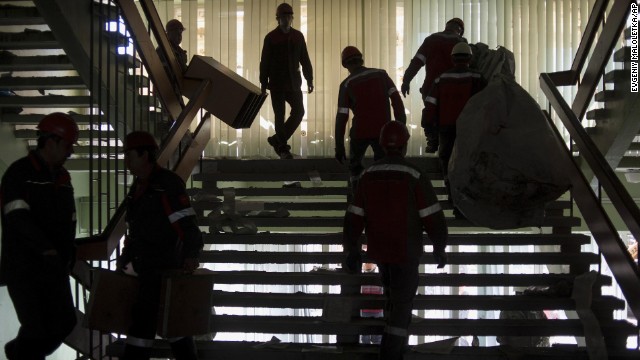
622, 265
159, 76
611, 31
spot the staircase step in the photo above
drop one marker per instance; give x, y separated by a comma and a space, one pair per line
313, 191
300, 300
41, 83
449, 327
216, 203
10, 62
629, 162
598, 114
20, 15
327, 221
84, 134
34, 119
454, 258
617, 75
47, 101
437, 279
28, 40
634, 146
607, 95
623, 54
480, 239
211, 168
231, 350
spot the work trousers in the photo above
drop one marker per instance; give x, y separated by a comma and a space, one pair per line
42, 299
144, 324
447, 135
400, 283
285, 129
430, 131
357, 149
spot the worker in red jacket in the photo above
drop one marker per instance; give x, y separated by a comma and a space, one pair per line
444, 103
38, 233
366, 92
283, 52
434, 55
394, 203
162, 235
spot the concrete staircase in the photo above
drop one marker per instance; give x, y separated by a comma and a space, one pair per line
277, 282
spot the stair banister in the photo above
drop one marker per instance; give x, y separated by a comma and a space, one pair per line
163, 87
613, 27
613, 249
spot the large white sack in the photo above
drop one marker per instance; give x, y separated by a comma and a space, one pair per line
505, 165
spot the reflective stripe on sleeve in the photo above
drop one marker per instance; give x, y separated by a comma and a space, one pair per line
139, 342
430, 210
431, 99
392, 90
16, 205
421, 58
181, 214
356, 210
343, 110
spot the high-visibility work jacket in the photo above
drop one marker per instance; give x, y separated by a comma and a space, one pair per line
435, 55
366, 92
38, 214
162, 224
282, 55
394, 202
450, 93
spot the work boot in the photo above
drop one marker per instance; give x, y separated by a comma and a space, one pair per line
285, 152
275, 144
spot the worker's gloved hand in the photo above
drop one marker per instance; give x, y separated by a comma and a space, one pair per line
404, 89
310, 86
341, 156
441, 258
263, 88
353, 262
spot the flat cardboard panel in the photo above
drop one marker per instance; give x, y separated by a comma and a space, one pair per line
185, 308
111, 300
232, 99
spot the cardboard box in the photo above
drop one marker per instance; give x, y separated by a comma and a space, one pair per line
111, 300
186, 308
232, 99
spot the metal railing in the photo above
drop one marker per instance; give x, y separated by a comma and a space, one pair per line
613, 249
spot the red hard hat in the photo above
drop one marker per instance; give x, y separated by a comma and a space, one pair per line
394, 134
139, 139
174, 24
459, 22
284, 9
61, 125
349, 52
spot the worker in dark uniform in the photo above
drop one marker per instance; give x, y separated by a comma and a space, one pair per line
163, 235
394, 202
444, 103
284, 50
434, 55
174, 29
38, 233
366, 92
